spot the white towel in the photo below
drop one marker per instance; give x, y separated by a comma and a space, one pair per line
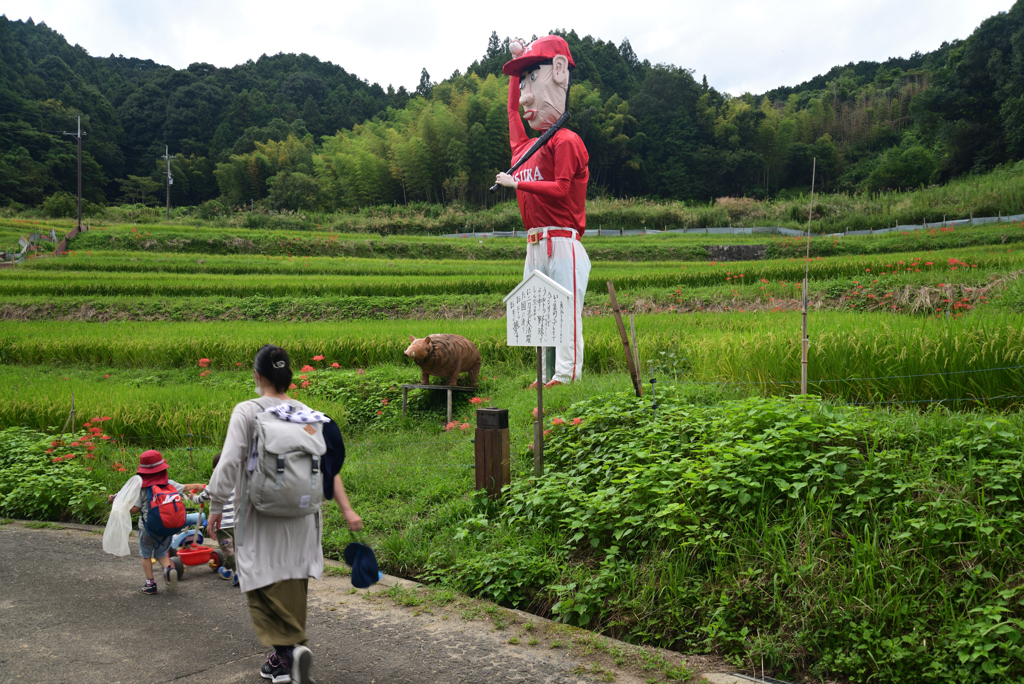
119, 524
292, 415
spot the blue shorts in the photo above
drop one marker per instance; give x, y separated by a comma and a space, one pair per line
153, 548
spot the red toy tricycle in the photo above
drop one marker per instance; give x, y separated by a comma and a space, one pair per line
195, 554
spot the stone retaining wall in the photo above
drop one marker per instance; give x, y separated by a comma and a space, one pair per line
736, 252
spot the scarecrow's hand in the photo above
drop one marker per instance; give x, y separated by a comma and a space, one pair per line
506, 180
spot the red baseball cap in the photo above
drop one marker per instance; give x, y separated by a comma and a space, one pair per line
540, 50
151, 462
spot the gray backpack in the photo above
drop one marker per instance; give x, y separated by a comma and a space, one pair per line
285, 478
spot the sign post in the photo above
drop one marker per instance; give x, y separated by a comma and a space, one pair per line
539, 313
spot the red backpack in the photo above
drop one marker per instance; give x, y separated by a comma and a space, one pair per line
166, 514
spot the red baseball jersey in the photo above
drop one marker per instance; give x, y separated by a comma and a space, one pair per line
553, 182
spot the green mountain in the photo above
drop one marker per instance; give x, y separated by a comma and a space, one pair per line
293, 132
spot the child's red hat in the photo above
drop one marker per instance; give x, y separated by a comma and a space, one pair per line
151, 462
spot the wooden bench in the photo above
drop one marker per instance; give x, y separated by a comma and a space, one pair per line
449, 388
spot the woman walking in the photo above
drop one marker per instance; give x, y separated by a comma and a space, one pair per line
276, 556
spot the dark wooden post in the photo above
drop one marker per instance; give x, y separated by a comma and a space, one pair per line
491, 449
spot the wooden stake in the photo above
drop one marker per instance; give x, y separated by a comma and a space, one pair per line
633, 374
636, 348
538, 425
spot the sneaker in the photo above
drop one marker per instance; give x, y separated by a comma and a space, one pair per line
224, 573
171, 575
234, 582
149, 587
275, 670
302, 660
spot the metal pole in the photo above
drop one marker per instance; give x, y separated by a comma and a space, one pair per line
79, 173
167, 156
538, 426
807, 269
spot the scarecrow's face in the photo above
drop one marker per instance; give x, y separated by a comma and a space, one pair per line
542, 93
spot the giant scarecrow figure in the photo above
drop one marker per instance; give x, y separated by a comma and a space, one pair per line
551, 185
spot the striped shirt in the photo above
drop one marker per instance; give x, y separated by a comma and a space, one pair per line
228, 513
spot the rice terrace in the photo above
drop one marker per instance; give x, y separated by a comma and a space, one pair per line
869, 529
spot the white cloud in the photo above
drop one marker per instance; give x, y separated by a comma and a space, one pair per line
741, 45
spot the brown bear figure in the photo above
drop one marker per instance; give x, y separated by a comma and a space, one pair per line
445, 356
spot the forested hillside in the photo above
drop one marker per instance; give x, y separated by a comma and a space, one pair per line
293, 132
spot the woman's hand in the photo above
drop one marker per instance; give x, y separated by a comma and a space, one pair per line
506, 180
355, 523
213, 524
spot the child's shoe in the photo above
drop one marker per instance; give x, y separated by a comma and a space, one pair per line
171, 575
149, 587
234, 581
224, 573
302, 660
275, 670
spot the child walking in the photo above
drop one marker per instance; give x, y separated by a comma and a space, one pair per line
159, 500
225, 533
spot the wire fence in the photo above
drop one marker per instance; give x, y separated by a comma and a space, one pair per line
598, 231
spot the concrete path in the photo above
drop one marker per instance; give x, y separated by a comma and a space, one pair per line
71, 613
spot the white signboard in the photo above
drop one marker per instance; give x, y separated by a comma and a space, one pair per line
539, 313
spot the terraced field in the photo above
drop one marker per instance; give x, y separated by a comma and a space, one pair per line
917, 341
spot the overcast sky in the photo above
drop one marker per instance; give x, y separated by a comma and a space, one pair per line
741, 45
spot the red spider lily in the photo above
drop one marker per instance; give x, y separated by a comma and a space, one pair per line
464, 426
303, 377
318, 357
121, 470
89, 468
335, 365
476, 400
57, 459
557, 421
488, 398
307, 368
203, 363
360, 372
86, 424
90, 456
68, 457
547, 432
204, 374
305, 384
292, 386
535, 412
104, 377
105, 437
450, 425
577, 421
379, 412
238, 363
384, 402
74, 444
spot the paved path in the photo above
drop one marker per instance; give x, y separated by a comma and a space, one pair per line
71, 613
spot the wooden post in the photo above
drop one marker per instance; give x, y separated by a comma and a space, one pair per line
188, 421
636, 347
491, 451
538, 425
449, 405
633, 374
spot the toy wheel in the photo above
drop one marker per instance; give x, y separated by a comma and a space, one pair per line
179, 566
172, 552
216, 560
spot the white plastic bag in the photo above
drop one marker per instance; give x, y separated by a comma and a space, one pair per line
119, 524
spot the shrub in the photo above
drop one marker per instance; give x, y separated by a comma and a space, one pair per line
38, 485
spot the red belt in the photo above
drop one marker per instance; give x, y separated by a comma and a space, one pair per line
537, 237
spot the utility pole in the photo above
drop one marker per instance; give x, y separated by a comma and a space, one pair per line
79, 135
170, 179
